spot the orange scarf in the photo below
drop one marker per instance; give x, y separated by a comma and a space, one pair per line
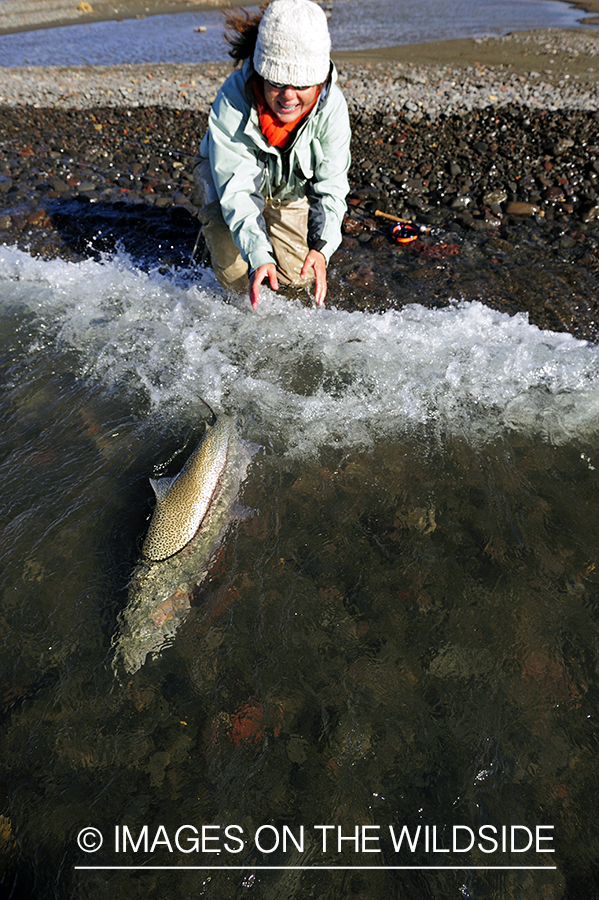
277, 133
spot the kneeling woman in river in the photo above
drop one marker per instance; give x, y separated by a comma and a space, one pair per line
271, 175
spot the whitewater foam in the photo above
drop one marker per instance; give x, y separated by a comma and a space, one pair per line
304, 378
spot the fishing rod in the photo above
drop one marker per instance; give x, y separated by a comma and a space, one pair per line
404, 231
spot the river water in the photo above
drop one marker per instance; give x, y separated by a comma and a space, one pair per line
400, 628
354, 25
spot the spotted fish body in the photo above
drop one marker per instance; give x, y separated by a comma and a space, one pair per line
183, 501
193, 513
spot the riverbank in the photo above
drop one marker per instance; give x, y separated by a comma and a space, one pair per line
499, 169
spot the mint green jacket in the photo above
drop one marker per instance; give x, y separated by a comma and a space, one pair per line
246, 169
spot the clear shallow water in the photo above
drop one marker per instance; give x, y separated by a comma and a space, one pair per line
354, 25
403, 632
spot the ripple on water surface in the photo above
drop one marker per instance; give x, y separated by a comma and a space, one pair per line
354, 25
400, 630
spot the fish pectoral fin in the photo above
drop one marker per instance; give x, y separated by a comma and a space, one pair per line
161, 486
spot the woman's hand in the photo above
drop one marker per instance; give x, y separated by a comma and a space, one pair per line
257, 277
315, 260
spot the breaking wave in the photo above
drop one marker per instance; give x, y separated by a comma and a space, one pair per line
301, 377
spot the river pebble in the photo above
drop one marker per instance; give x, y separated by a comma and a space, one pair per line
417, 91
500, 173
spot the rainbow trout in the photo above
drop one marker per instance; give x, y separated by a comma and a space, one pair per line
193, 511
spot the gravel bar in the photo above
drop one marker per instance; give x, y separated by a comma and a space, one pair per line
381, 86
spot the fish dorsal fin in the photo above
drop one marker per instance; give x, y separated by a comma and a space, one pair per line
161, 487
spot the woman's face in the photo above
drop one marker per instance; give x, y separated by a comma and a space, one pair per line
289, 103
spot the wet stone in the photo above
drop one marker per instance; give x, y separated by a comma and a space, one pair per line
562, 145
591, 214
58, 185
566, 243
485, 224
500, 245
516, 208
367, 193
495, 198
554, 195
461, 202
465, 219
39, 219
352, 226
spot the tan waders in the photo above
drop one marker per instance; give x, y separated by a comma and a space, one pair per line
286, 226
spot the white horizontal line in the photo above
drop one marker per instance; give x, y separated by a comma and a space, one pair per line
295, 868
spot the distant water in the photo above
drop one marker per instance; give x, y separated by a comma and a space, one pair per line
354, 25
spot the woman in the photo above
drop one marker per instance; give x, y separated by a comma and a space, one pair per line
271, 175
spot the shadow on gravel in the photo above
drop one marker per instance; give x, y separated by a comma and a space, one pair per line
151, 236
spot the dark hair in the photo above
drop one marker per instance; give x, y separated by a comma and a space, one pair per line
241, 32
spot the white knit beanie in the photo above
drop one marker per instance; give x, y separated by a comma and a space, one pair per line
293, 45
